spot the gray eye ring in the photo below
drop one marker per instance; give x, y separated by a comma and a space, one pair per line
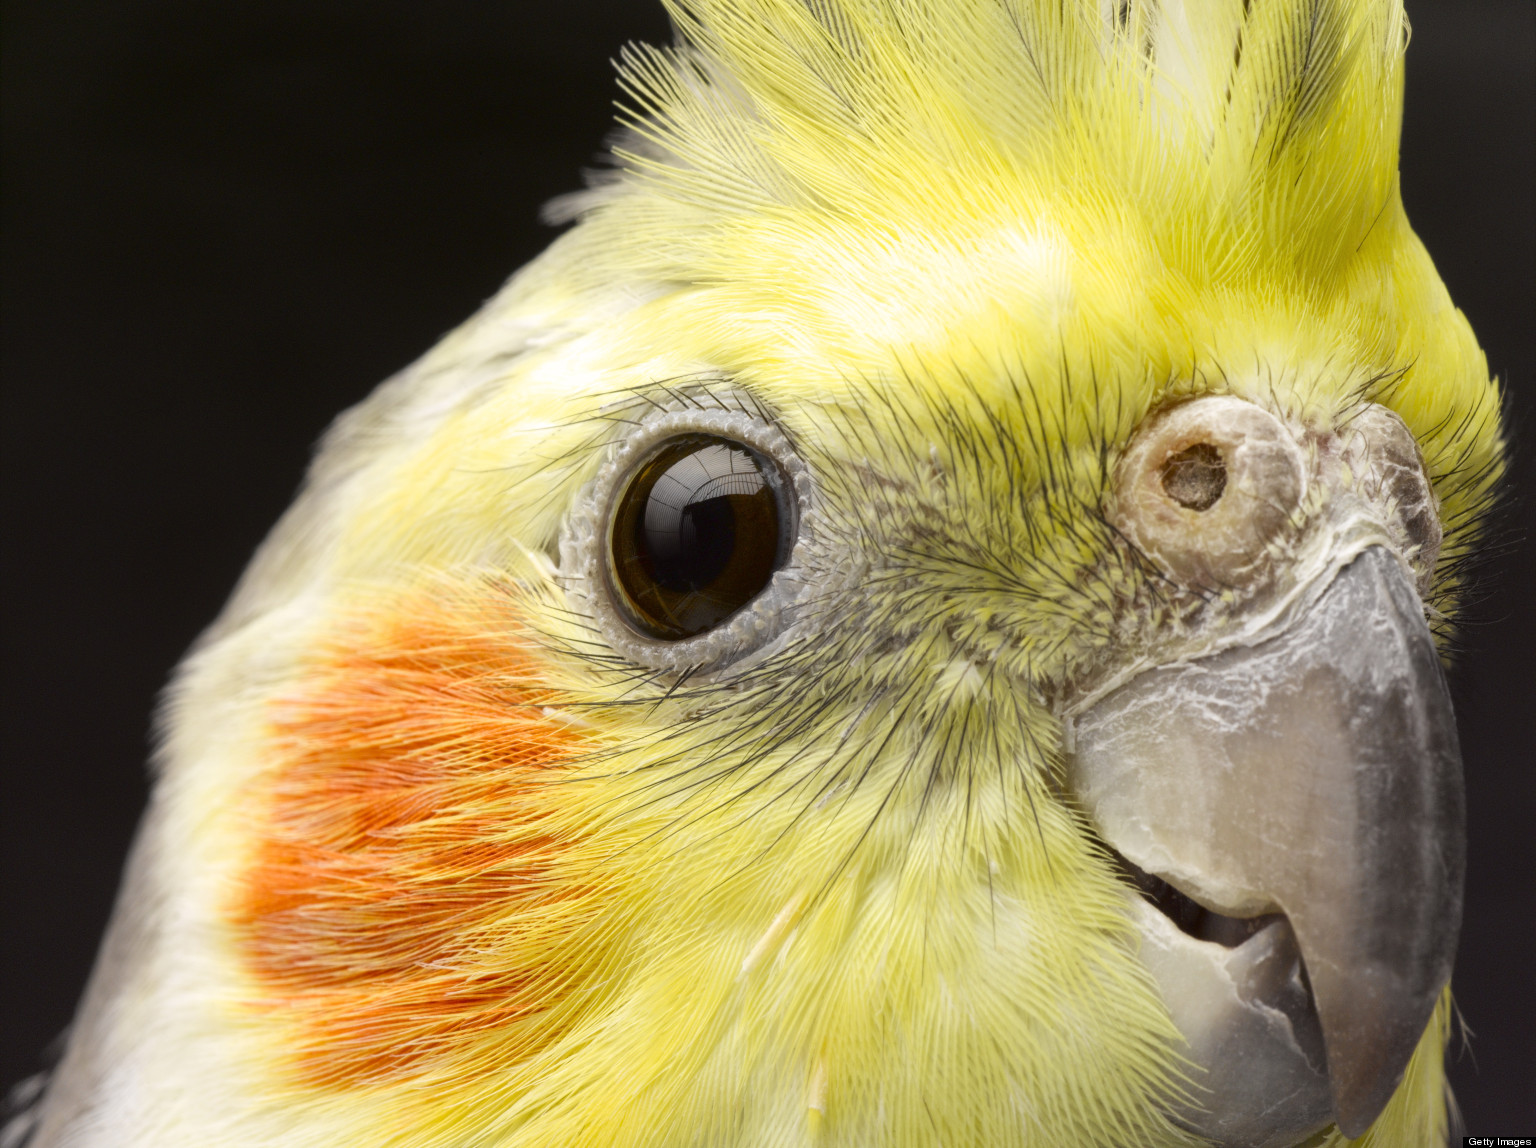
586, 543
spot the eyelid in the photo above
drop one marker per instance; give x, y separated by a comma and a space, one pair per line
584, 544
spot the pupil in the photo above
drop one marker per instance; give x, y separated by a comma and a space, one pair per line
688, 532
697, 535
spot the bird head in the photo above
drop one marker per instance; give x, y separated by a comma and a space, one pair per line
915, 621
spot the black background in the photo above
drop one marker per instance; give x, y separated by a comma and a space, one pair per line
223, 222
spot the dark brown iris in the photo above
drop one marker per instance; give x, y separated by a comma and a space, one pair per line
697, 535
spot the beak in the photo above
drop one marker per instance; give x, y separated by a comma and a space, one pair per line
1315, 775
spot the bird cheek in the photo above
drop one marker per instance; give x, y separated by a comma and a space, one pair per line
407, 875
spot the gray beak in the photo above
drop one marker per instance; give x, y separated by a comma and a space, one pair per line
1315, 775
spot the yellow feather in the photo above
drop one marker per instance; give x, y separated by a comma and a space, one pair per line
965, 245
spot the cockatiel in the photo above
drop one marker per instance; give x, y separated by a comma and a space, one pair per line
913, 623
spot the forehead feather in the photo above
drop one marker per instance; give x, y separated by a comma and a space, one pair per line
1236, 139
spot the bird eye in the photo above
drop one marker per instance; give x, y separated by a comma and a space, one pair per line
696, 535
687, 548
1204, 487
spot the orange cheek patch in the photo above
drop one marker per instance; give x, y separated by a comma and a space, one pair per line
410, 906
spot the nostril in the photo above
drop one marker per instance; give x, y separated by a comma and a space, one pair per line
1195, 477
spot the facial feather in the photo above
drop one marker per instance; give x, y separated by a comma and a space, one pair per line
492, 882
407, 909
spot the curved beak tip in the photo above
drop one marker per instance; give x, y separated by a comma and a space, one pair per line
1316, 773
